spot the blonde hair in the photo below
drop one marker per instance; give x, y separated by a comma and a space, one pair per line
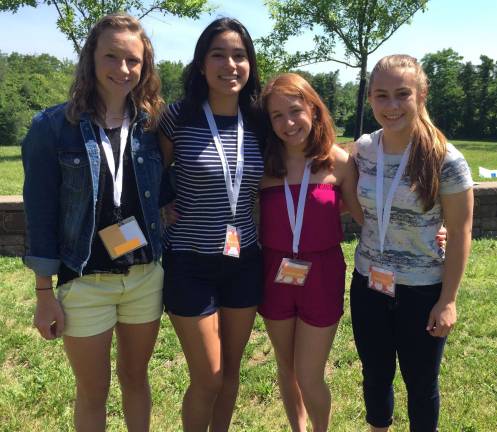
321, 137
429, 144
83, 94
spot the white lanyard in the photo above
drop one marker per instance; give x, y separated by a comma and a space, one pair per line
383, 212
117, 178
232, 189
296, 221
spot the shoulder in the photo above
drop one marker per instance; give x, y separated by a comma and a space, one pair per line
47, 123
366, 143
339, 154
456, 175
267, 182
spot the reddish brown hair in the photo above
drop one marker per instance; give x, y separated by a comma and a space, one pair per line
321, 137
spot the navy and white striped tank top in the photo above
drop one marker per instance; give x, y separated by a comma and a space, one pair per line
202, 200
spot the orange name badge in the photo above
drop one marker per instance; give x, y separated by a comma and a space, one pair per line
232, 242
121, 238
382, 280
293, 272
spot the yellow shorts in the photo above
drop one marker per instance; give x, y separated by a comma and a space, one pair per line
94, 303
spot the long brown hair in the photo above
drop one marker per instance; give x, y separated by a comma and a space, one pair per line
428, 143
83, 94
321, 137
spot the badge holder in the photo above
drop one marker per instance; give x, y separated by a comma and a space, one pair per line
123, 237
382, 280
232, 242
293, 272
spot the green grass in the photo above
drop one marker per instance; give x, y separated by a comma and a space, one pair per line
36, 385
477, 153
12, 175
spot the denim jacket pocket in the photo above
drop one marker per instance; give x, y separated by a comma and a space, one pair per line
75, 170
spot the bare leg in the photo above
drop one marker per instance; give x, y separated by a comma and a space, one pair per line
236, 326
201, 343
135, 344
375, 429
282, 335
312, 348
90, 361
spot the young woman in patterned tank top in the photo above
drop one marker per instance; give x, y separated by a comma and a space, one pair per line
403, 294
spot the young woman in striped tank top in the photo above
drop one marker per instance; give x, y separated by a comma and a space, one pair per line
212, 261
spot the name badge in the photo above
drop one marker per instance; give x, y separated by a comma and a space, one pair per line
382, 280
232, 242
123, 237
293, 272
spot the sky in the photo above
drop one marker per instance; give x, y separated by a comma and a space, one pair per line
470, 28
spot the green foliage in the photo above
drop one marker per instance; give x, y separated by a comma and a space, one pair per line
76, 17
171, 76
27, 85
361, 26
463, 97
37, 386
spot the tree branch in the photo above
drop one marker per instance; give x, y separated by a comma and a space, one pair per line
71, 35
395, 29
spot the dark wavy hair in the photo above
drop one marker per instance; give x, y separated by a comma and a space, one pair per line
196, 89
321, 138
83, 94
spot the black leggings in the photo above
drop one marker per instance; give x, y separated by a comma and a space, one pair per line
385, 328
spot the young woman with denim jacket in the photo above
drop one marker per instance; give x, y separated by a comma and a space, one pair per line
91, 163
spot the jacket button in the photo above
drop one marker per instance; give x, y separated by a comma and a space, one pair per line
140, 160
76, 161
152, 225
147, 194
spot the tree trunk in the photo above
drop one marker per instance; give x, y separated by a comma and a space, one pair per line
361, 96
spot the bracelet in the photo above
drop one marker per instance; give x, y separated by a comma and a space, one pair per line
43, 289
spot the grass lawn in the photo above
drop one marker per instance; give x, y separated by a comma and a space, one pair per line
12, 175
477, 153
36, 385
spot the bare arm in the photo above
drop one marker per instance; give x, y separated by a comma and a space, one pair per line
49, 317
458, 216
167, 149
349, 191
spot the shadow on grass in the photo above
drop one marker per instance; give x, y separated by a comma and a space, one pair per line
10, 158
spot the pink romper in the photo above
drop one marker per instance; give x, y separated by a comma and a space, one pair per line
320, 301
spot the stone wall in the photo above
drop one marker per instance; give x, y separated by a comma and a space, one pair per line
12, 232
13, 239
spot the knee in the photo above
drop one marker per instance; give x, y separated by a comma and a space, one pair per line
132, 378
93, 394
310, 383
286, 371
209, 384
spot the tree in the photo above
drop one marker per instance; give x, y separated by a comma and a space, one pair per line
76, 17
362, 26
469, 85
486, 74
171, 76
446, 95
28, 84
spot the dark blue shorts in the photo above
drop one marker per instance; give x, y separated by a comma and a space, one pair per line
198, 284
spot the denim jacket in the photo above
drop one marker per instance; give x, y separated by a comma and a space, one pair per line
62, 166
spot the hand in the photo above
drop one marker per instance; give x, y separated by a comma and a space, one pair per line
49, 317
442, 318
441, 237
169, 214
